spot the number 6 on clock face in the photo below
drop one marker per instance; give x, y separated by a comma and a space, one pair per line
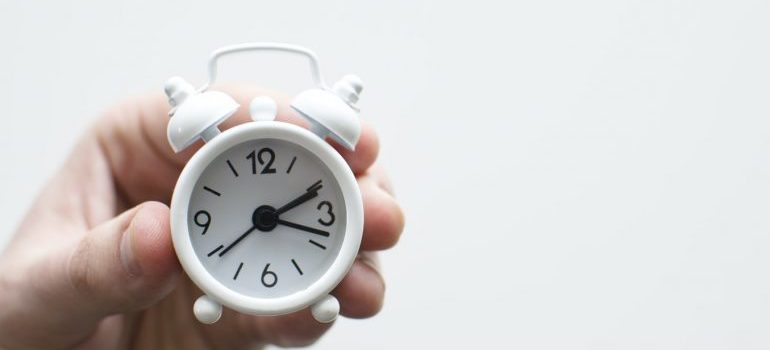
266, 218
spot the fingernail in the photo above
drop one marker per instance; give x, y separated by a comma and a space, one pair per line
127, 253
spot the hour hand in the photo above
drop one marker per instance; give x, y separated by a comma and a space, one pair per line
309, 194
303, 228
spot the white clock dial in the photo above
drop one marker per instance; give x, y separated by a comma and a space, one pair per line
266, 218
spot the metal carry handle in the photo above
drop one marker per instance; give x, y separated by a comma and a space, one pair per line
314, 67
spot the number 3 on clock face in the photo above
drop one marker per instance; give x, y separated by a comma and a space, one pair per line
266, 218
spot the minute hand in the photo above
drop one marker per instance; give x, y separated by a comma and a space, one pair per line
311, 193
240, 238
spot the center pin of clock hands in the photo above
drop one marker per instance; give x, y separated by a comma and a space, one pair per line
265, 218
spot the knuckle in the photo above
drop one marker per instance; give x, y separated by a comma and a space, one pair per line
80, 273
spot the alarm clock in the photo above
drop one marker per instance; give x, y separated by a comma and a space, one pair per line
267, 217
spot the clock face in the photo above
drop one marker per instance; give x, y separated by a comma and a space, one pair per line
266, 218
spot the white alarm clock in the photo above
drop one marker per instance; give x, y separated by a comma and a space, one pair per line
266, 218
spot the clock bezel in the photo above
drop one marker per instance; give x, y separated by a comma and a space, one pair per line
260, 305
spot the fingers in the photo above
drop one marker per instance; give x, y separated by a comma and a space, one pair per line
362, 292
366, 151
133, 138
384, 219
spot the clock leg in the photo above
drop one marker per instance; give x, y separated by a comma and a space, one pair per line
207, 310
326, 309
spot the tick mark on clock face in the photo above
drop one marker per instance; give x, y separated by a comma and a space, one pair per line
319, 245
232, 168
291, 165
212, 191
296, 266
238, 271
215, 250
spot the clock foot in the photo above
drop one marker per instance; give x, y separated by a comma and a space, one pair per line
207, 310
326, 309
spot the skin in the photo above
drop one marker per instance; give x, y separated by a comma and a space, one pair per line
92, 265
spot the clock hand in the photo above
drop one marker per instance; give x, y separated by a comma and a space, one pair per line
240, 238
311, 193
265, 217
303, 228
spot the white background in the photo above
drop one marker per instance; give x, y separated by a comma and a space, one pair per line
576, 174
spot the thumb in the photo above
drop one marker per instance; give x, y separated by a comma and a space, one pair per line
122, 265
125, 264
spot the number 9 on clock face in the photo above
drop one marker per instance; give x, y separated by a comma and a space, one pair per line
266, 218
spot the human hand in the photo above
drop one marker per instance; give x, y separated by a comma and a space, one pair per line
92, 265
